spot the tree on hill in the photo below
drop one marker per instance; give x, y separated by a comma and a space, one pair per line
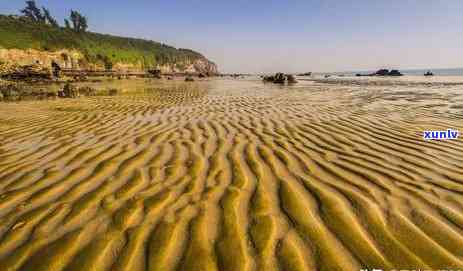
79, 22
67, 24
83, 24
52, 21
32, 12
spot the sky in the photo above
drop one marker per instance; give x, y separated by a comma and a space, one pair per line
257, 36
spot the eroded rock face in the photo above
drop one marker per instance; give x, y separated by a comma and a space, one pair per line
206, 67
66, 59
199, 66
18, 72
75, 60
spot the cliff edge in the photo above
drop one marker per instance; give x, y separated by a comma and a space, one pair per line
23, 42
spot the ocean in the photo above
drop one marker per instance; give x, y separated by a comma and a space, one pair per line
411, 72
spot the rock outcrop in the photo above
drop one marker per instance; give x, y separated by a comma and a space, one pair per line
305, 74
69, 91
18, 72
199, 66
429, 73
280, 78
31, 62
383, 72
11, 92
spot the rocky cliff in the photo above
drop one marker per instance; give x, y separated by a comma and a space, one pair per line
76, 60
25, 43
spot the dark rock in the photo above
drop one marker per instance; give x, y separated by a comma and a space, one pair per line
87, 91
69, 91
429, 73
18, 92
280, 78
56, 69
305, 74
10, 92
189, 79
395, 73
26, 72
382, 72
155, 73
291, 79
113, 92
80, 78
202, 75
269, 78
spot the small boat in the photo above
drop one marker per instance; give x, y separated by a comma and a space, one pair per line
429, 73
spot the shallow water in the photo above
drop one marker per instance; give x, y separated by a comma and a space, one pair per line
233, 175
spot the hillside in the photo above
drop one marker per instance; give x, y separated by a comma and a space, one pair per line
22, 40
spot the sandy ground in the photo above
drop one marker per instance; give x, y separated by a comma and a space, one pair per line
233, 175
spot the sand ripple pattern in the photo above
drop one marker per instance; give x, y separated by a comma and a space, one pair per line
233, 175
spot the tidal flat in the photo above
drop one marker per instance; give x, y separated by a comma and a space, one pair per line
226, 174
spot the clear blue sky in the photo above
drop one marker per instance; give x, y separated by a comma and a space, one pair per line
290, 36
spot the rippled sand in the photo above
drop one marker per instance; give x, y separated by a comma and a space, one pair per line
233, 175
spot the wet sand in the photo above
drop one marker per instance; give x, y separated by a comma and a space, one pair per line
233, 175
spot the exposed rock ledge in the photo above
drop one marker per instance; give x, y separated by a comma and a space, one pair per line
75, 60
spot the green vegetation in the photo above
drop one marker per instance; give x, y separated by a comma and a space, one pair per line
79, 22
37, 29
33, 13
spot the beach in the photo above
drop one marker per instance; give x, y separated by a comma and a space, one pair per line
222, 174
